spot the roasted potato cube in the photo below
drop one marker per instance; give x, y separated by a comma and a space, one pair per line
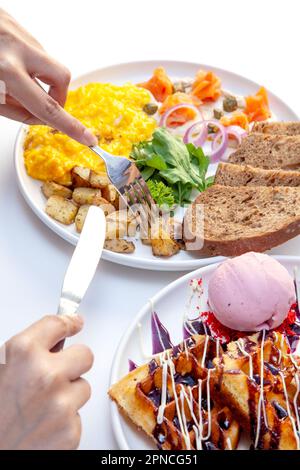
80, 217
117, 224
110, 193
107, 207
145, 235
99, 180
80, 177
163, 245
49, 188
61, 209
115, 230
91, 196
122, 217
119, 246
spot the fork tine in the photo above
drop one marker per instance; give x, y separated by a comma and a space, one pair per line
146, 192
145, 210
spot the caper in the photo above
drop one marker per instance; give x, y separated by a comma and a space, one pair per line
182, 86
150, 108
230, 104
218, 113
212, 129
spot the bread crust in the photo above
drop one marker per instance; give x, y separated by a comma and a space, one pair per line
229, 174
268, 151
277, 128
236, 245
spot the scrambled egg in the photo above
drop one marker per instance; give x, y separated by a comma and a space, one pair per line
115, 115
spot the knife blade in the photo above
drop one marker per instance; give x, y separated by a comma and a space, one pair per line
83, 264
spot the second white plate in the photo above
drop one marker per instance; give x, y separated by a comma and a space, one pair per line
170, 304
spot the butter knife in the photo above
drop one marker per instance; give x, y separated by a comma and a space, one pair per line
83, 264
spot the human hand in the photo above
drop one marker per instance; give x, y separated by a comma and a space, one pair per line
22, 62
42, 391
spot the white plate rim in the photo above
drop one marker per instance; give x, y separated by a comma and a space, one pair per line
155, 264
200, 272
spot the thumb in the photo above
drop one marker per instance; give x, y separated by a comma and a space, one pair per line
53, 328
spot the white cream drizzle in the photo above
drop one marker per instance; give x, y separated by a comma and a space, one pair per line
167, 363
280, 350
295, 402
218, 348
188, 325
293, 361
186, 349
200, 425
186, 432
207, 338
164, 386
243, 351
151, 302
229, 445
289, 410
261, 403
297, 283
208, 406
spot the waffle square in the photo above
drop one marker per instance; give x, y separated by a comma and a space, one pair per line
170, 399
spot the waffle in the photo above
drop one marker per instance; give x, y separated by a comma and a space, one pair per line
270, 414
170, 399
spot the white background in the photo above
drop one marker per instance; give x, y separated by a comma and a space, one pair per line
259, 39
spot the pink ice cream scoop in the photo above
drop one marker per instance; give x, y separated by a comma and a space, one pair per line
251, 292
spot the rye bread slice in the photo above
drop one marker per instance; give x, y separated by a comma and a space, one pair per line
242, 219
229, 174
268, 151
278, 128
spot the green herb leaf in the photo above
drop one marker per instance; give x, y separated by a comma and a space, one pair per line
162, 194
180, 168
147, 172
144, 156
198, 158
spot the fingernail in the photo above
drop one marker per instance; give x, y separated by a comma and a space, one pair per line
74, 316
88, 138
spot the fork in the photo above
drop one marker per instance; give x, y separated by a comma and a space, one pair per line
127, 179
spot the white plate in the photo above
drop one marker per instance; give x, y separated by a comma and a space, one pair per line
170, 304
138, 72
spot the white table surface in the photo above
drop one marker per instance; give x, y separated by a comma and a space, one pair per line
259, 41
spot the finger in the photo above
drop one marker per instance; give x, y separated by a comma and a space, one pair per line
18, 30
49, 71
45, 108
75, 360
18, 113
80, 393
53, 328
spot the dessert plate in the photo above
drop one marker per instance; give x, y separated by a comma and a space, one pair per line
138, 72
171, 303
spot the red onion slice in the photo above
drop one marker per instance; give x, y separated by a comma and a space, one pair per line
201, 137
218, 147
164, 117
237, 132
